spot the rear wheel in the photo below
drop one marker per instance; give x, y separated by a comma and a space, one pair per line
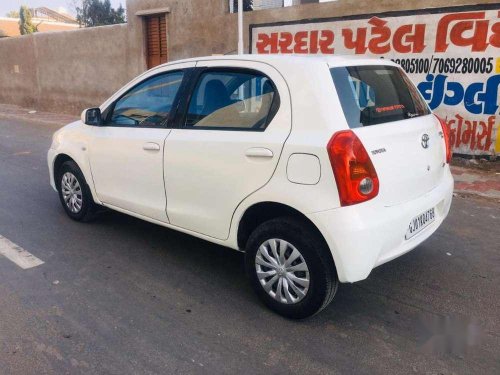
290, 268
74, 192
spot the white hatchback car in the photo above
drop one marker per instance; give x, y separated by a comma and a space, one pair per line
318, 168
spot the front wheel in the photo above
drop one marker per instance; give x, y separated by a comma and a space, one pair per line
290, 268
74, 192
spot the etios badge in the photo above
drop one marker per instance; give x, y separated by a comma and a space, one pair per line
425, 141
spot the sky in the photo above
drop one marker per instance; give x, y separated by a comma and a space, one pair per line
57, 5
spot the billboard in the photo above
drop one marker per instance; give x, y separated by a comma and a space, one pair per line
452, 55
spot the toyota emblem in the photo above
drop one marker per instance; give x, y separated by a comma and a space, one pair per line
425, 141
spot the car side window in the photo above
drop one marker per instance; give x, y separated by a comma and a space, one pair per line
149, 103
237, 100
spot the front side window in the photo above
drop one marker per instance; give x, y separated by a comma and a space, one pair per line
372, 95
231, 100
149, 103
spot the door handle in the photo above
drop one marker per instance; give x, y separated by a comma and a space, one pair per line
151, 146
259, 152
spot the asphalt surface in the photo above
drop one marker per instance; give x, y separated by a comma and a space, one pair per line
122, 296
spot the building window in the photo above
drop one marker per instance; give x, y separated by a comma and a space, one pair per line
156, 39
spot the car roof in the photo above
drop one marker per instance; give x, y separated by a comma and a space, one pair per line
276, 60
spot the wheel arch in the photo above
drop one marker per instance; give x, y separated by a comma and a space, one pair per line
261, 212
63, 157
59, 160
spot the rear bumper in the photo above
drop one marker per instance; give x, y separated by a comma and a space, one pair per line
364, 236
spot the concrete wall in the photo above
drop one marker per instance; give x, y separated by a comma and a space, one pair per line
194, 27
65, 71
18, 78
68, 71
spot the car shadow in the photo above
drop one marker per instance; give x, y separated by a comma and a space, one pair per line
223, 269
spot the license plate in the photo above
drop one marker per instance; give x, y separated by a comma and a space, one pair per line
418, 223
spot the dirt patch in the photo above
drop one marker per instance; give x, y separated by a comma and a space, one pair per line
479, 163
475, 197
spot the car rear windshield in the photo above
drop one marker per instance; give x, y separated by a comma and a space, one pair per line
372, 95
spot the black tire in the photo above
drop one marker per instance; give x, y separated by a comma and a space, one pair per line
323, 282
88, 206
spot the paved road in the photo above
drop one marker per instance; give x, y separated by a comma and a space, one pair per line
121, 296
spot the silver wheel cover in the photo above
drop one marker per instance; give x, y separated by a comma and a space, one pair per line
71, 192
282, 271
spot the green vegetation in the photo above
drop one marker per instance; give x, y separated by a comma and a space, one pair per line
99, 13
25, 25
12, 14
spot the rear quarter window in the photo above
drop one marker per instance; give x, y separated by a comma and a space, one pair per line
372, 95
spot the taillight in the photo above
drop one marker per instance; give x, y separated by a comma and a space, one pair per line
356, 178
446, 136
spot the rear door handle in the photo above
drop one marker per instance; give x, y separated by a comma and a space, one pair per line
259, 152
151, 146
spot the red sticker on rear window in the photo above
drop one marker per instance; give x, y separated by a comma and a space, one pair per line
389, 108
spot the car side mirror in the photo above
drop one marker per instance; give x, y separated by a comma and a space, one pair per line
92, 116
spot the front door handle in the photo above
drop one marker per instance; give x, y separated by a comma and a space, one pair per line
259, 152
151, 146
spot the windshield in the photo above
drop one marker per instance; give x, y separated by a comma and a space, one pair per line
372, 95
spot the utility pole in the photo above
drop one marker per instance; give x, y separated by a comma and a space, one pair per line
240, 27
